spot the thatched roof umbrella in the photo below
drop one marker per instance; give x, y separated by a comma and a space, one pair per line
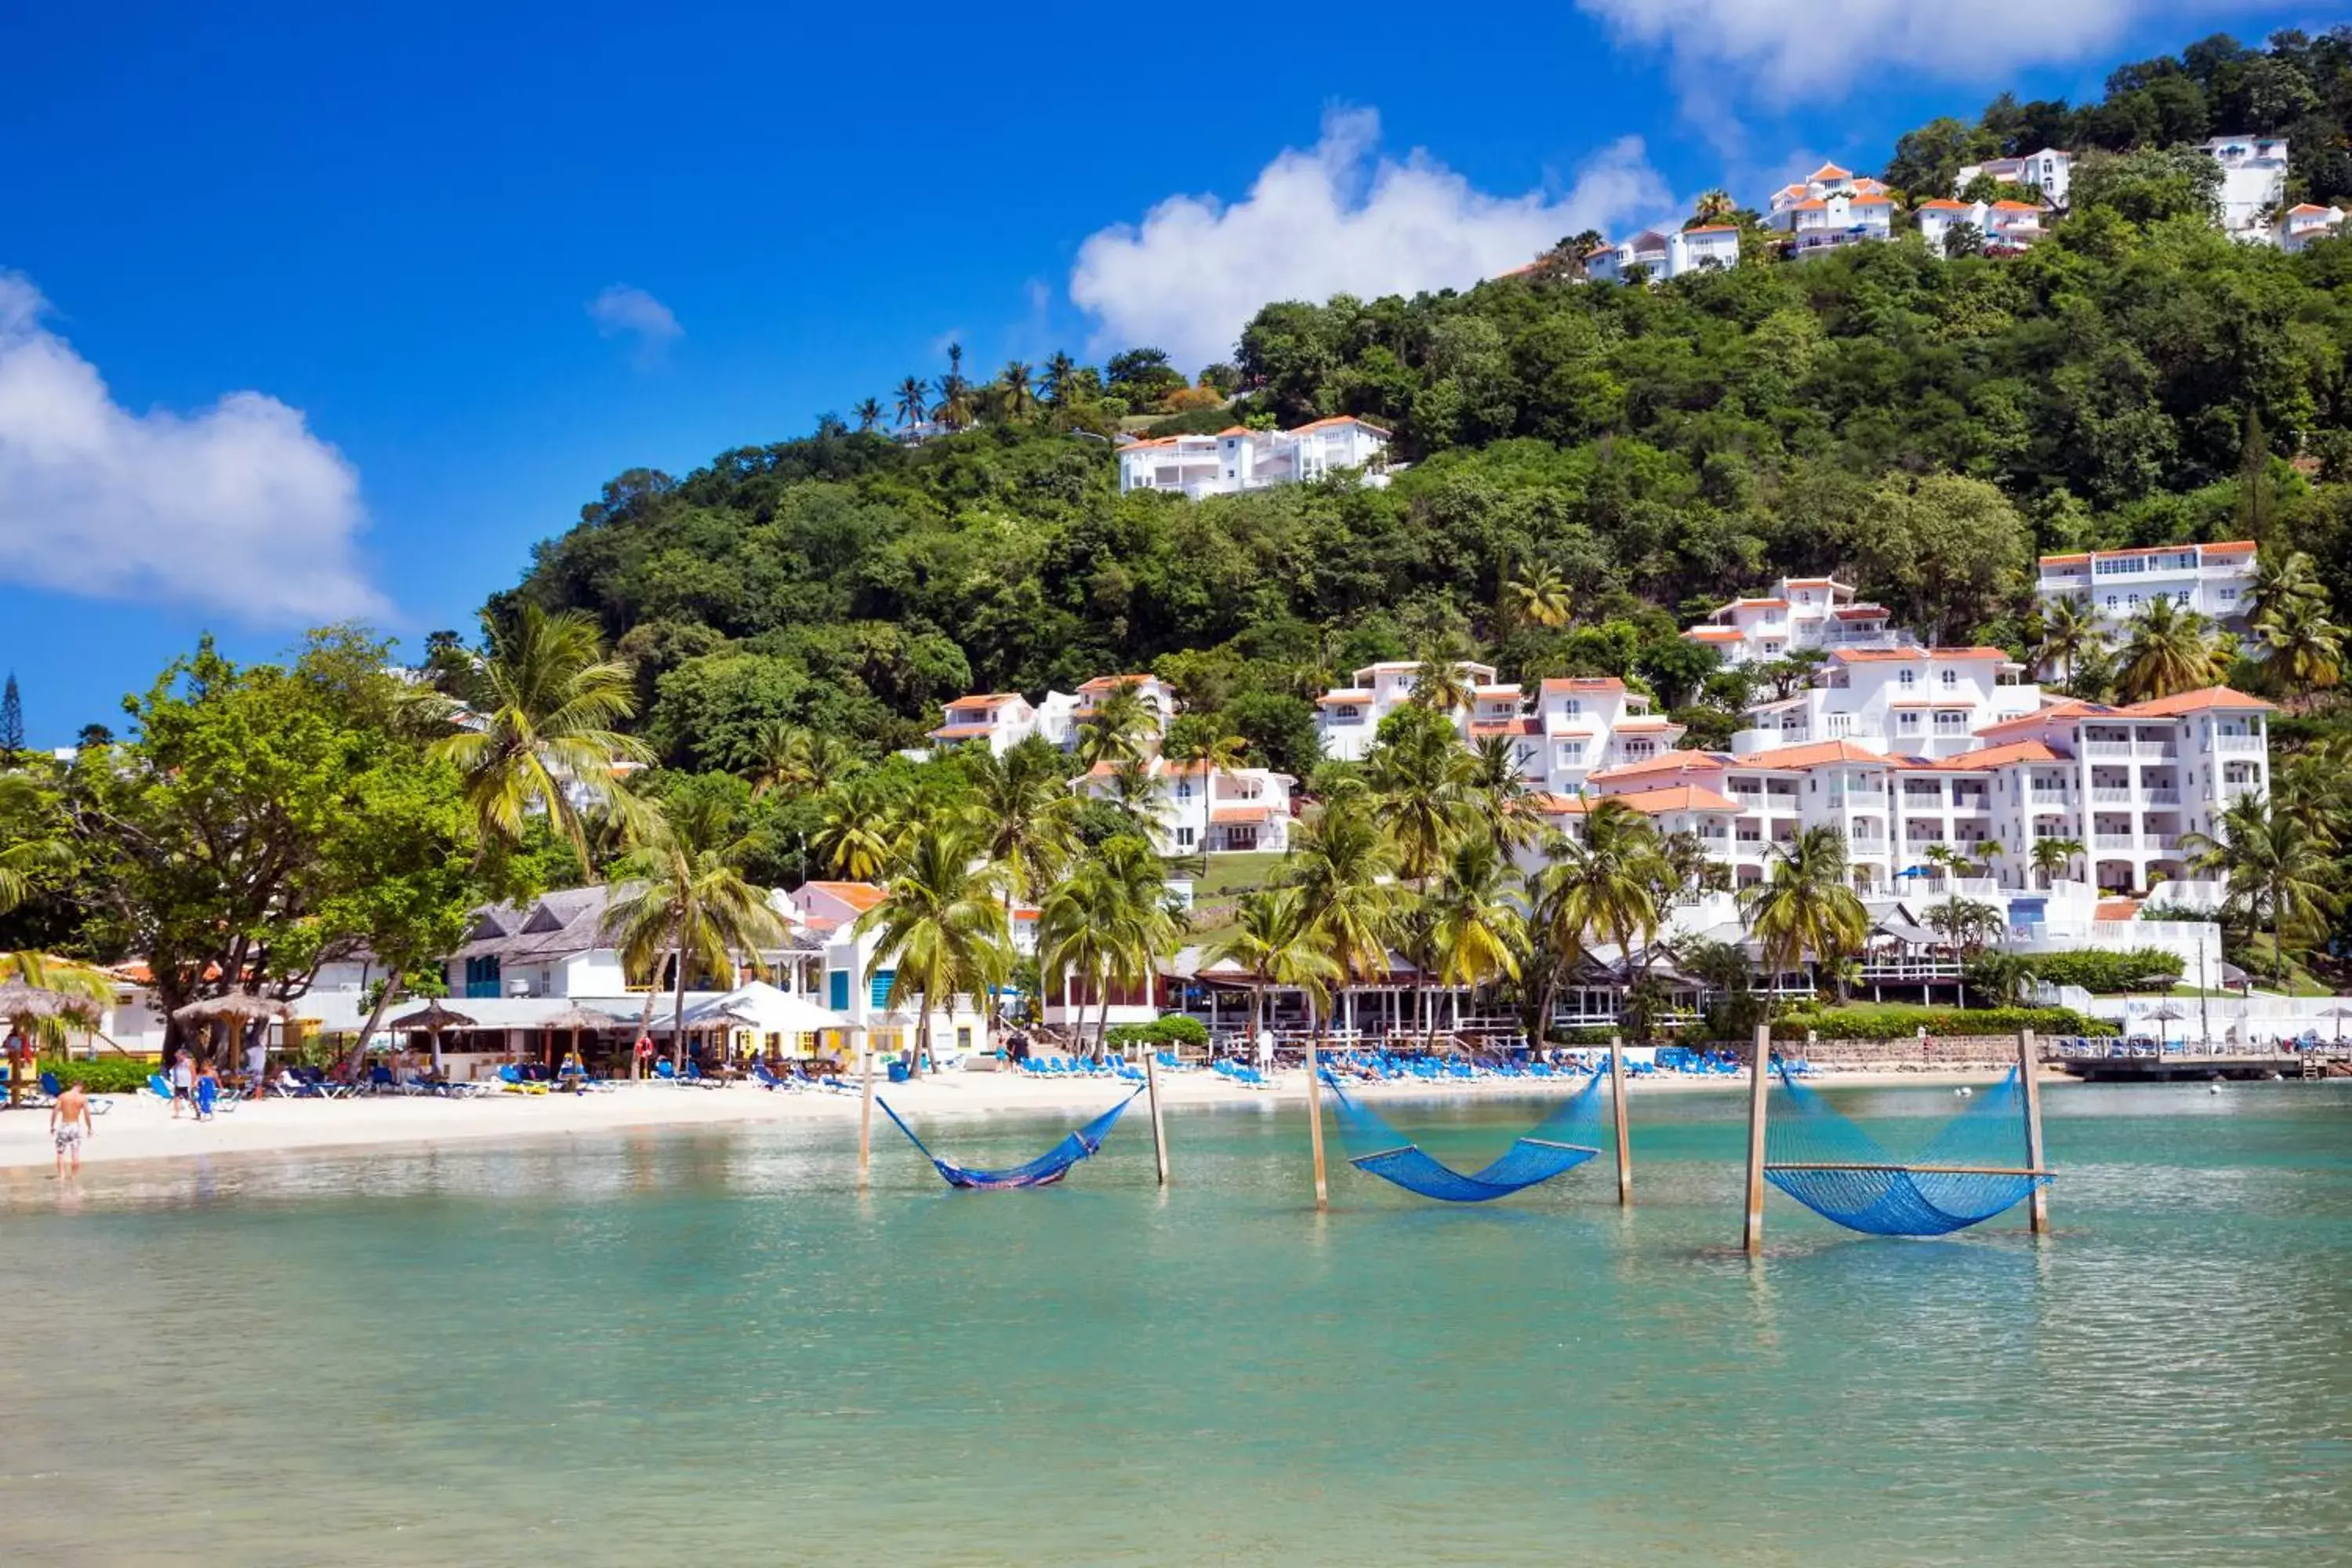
2339, 1013
22, 1005
577, 1018
241, 1007
433, 1018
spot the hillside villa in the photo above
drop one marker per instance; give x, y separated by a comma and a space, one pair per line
2215, 579
1799, 614
1236, 460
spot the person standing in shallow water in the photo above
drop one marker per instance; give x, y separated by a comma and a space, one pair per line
70, 1127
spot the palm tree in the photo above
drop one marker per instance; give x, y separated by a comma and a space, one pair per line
544, 738
1606, 883
1023, 818
914, 402
1715, 206
2279, 865
687, 899
1476, 929
1120, 728
1805, 910
1500, 795
2281, 580
859, 830
1537, 597
1209, 753
1420, 781
1107, 922
2299, 640
797, 761
869, 412
1275, 943
2171, 649
1016, 398
2066, 627
940, 929
1137, 790
2054, 855
1060, 379
1441, 685
1338, 865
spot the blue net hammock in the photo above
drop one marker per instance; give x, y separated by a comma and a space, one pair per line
1819, 1156
1042, 1172
1559, 1143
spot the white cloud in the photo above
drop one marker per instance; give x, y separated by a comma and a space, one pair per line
1775, 46
236, 509
1335, 218
623, 310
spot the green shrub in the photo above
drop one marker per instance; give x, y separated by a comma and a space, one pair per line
1174, 1029
2100, 971
1890, 1022
106, 1075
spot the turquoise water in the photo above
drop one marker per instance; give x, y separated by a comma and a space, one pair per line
708, 1347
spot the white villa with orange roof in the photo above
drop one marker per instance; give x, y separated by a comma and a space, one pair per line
2007, 225
2305, 222
1236, 459
1348, 717
1920, 701
2215, 580
1202, 811
1831, 207
1662, 253
1800, 613
1002, 721
2050, 172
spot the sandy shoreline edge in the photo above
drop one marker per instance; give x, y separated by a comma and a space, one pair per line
140, 1128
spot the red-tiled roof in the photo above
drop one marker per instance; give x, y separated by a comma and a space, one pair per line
1676, 797
1664, 762
1810, 756
2209, 700
1990, 757
962, 731
859, 896
1479, 730
1584, 683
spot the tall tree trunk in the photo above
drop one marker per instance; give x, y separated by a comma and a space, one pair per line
678, 998
392, 982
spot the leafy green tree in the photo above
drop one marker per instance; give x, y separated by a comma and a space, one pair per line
1604, 883
2149, 184
2171, 649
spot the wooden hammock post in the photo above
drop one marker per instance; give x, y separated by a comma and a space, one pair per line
1158, 1131
2038, 1210
1617, 1099
1759, 1081
865, 1110
1315, 1122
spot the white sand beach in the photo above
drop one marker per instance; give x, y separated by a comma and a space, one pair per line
140, 1127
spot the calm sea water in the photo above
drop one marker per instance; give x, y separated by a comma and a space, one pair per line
709, 1348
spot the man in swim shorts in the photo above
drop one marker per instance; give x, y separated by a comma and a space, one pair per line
69, 1126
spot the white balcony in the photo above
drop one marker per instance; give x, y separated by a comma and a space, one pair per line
2111, 794
2238, 744
2105, 842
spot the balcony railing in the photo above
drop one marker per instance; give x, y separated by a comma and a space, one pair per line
2120, 751
2111, 841
2237, 742
2111, 794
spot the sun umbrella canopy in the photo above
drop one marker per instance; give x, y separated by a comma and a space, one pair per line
237, 1005
432, 1018
18, 1000
579, 1017
2168, 1013
759, 1005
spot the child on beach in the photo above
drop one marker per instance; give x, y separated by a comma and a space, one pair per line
205, 1091
183, 1081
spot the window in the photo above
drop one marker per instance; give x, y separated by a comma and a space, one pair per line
1572, 709
963, 1036
1909, 724
1908, 679
1184, 838
1347, 712
1571, 754
482, 976
2132, 600
2111, 602
1955, 723
2228, 596
2181, 598
1951, 679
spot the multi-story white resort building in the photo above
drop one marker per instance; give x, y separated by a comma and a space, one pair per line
1662, 253
2253, 184
2215, 579
2306, 222
2049, 172
1236, 460
2007, 225
1800, 613
1830, 208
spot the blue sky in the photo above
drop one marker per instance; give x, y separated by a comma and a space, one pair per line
383, 234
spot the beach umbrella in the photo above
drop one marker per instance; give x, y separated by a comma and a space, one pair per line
433, 1018
577, 1018
240, 1008
2167, 1014
24, 1005
2339, 1013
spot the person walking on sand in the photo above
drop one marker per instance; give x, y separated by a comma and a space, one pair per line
183, 1081
206, 1089
69, 1126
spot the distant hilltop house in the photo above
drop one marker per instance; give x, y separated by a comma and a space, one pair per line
2007, 225
2049, 172
1799, 614
998, 722
2215, 580
1662, 253
1831, 208
1234, 461
2253, 184
2305, 222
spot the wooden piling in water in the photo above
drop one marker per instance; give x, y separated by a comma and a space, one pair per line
866, 1111
1617, 1098
1159, 1129
1315, 1123
2038, 1205
1759, 1081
